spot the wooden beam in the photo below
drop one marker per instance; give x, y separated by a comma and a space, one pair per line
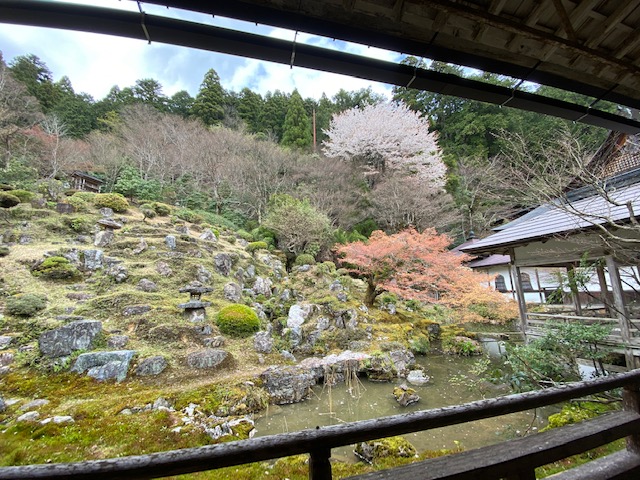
565, 21
575, 294
604, 289
623, 10
517, 285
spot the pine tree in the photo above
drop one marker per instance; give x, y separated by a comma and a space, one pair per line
273, 114
250, 105
296, 131
209, 103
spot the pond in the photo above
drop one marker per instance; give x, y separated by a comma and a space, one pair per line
331, 406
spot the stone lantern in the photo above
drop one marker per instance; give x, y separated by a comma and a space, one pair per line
194, 309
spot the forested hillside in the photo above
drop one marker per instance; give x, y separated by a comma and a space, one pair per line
227, 153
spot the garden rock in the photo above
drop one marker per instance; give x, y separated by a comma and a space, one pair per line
93, 259
336, 286
106, 212
151, 366
58, 419
223, 263
164, 269
203, 275
74, 336
6, 359
182, 229
263, 342
117, 341
147, 285
5, 340
288, 356
374, 450
3, 405
208, 236
298, 314
103, 238
215, 342
135, 310
232, 292
402, 360
35, 404
103, 366
418, 377
170, 242
287, 384
346, 319
405, 396
208, 358
28, 417
262, 286
118, 272
142, 246
80, 296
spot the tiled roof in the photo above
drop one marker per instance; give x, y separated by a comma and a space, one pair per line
490, 261
555, 219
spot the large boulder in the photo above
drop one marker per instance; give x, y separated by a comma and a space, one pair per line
103, 238
208, 358
3, 405
170, 241
93, 259
287, 384
298, 314
62, 341
232, 292
209, 236
405, 395
402, 360
262, 286
105, 365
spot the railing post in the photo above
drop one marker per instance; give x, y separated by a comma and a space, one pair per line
631, 402
319, 464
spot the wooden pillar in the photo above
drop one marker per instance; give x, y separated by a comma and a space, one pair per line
512, 287
621, 310
631, 402
516, 282
575, 294
542, 299
604, 290
320, 465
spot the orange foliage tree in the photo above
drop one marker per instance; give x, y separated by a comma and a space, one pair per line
411, 264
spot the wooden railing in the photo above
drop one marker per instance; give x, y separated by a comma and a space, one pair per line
538, 322
512, 459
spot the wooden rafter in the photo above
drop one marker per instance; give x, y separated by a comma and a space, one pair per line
616, 17
565, 20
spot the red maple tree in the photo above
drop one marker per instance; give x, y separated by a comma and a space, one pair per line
411, 264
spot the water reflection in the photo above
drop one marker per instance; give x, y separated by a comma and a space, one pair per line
331, 406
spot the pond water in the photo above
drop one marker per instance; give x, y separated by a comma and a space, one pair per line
331, 406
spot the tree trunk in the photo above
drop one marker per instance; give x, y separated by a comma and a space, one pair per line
371, 293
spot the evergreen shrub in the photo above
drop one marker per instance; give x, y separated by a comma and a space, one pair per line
78, 223
114, 201
56, 268
25, 305
162, 209
243, 234
86, 196
254, 246
78, 203
8, 200
189, 216
304, 259
24, 195
4, 250
237, 320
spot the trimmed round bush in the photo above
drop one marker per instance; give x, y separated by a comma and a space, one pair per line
8, 200
24, 195
79, 223
114, 201
237, 320
243, 234
25, 305
56, 268
78, 203
189, 216
304, 259
254, 246
162, 209
86, 196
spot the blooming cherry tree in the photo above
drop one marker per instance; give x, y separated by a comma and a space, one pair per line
386, 135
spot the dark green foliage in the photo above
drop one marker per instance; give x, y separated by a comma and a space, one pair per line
25, 305
86, 196
273, 114
19, 174
181, 104
56, 268
209, 103
255, 246
296, 131
4, 250
78, 203
243, 234
149, 92
147, 210
114, 201
79, 223
131, 184
7, 200
249, 107
237, 320
304, 259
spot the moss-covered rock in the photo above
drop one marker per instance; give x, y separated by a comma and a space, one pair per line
25, 305
374, 450
56, 268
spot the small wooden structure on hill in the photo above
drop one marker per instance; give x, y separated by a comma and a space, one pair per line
85, 182
593, 223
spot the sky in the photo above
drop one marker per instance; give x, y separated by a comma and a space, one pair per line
95, 63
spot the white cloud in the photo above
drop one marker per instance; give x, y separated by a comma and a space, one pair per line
95, 63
